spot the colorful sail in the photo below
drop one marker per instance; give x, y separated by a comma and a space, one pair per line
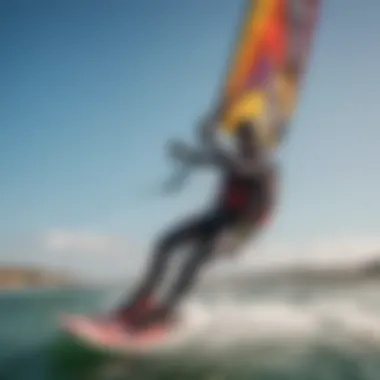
268, 65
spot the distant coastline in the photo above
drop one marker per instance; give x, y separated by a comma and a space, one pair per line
298, 275
19, 277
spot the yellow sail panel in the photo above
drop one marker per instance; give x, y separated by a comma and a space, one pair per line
257, 16
268, 63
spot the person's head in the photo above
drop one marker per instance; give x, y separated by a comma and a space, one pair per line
247, 139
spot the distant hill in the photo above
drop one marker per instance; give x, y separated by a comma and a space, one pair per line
15, 277
298, 274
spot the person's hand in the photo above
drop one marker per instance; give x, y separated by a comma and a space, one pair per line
176, 182
220, 107
177, 150
217, 111
208, 123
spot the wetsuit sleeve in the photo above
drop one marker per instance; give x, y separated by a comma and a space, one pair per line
210, 153
192, 156
227, 161
220, 158
207, 131
214, 154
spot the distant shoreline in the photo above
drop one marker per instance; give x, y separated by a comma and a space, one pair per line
19, 277
301, 275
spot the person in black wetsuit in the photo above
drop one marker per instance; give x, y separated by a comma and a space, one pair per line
245, 199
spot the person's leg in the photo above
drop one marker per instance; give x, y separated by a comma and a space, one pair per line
164, 249
262, 205
210, 229
184, 282
190, 271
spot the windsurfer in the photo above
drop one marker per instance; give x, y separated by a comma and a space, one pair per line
246, 199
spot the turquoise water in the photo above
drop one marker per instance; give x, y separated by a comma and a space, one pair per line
295, 332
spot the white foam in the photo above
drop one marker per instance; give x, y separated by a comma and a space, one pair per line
230, 326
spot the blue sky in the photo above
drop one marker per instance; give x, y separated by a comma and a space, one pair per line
91, 91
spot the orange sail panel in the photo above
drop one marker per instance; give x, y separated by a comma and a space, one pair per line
268, 62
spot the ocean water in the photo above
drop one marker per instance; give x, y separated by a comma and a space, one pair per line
303, 331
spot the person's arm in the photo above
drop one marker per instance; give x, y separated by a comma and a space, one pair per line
192, 156
220, 158
214, 154
209, 125
207, 131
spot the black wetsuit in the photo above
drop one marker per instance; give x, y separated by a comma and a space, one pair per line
245, 197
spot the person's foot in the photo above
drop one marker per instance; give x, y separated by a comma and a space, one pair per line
160, 316
132, 313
